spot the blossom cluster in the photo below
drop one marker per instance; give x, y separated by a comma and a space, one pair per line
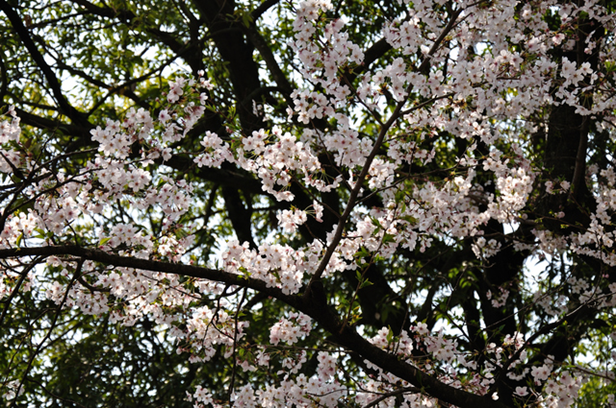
278, 265
290, 330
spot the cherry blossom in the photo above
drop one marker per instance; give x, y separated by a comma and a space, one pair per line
424, 153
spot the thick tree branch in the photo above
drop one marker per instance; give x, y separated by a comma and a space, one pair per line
262, 8
243, 71
239, 214
314, 306
270, 61
98, 255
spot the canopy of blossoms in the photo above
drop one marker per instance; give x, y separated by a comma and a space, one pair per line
478, 137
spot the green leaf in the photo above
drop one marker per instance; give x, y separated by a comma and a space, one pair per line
365, 284
390, 335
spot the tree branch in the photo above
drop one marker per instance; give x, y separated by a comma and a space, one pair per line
314, 306
65, 107
262, 8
